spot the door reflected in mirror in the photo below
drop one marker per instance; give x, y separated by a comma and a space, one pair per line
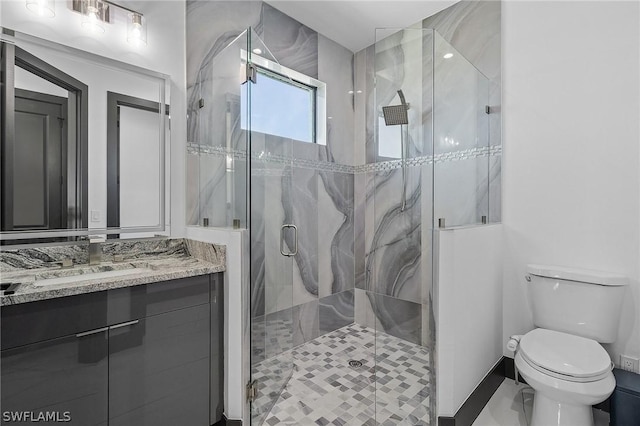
134, 161
44, 145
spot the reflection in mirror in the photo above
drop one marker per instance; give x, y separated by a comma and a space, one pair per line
44, 145
135, 161
56, 159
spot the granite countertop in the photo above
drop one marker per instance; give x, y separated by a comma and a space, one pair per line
144, 262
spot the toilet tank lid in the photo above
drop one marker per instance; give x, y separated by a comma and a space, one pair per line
575, 274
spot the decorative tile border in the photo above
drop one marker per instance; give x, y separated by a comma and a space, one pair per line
195, 149
269, 158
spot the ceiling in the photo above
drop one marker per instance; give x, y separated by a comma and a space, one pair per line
353, 23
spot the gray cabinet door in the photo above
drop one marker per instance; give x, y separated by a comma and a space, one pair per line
65, 376
159, 370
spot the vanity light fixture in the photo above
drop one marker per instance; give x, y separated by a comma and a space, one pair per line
45, 8
95, 13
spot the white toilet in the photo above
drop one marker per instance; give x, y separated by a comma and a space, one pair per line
562, 359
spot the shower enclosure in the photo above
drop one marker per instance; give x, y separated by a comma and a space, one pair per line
341, 283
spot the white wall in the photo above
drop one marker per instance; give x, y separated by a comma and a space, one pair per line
468, 312
571, 154
236, 314
165, 53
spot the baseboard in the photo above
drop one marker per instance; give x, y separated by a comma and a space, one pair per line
474, 404
226, 422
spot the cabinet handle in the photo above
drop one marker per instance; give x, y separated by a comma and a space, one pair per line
88, 333
124, 324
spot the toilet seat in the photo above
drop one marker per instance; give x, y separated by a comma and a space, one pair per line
565, 356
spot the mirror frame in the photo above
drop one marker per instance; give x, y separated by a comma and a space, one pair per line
12, 38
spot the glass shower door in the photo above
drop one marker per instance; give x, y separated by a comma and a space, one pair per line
273, 235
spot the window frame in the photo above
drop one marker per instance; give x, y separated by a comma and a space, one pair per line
288, 75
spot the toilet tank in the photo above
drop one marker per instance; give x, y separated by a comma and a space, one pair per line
576, 301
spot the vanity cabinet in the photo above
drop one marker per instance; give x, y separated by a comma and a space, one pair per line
136, 356
67, 376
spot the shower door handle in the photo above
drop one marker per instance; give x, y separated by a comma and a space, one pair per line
295, 240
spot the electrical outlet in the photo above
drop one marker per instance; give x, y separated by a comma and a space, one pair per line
629, 363
95, 215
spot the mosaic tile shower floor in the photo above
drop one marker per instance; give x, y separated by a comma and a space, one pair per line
325, 390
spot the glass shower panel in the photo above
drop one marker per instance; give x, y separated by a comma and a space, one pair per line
399, 209
461, 138
221, 140
273, 235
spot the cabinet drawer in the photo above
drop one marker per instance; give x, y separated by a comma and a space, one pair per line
126, 304
33, 322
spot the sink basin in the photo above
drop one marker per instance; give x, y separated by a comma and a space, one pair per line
70, 279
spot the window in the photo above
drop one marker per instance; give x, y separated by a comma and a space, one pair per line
285, 103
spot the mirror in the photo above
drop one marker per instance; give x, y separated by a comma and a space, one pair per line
84, 144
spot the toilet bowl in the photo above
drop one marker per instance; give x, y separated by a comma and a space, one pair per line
568, 373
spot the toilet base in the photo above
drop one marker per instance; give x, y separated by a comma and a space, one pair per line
549, 412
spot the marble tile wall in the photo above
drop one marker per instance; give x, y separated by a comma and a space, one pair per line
394, 255
303, 197
360, 203
335, 68
336, 311
306, 325
396, 317
335, 232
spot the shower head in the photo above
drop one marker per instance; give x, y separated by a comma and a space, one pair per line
396, 114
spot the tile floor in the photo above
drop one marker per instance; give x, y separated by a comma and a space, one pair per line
325, 390
314, 385
511, 405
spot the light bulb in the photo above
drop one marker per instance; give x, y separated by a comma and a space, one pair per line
92, 19
448, 55
136, 29
43, 8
